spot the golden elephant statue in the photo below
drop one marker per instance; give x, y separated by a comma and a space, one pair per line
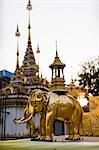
37, 103
51, 107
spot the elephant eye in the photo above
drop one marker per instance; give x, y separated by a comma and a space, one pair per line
38, 96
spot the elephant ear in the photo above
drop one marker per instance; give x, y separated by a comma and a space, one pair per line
45, 98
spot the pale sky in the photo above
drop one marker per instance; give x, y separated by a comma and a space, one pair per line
73, 23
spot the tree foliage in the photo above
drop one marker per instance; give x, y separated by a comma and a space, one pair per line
89, 76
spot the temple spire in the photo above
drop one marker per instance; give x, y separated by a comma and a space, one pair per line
30, 68
29, 7
41, 74
56, 50
38, 52
29, 58
17, 34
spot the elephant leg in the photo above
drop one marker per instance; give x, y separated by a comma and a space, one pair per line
32, 127
71, 131
49, 127
29, 122
76, 123
43, 127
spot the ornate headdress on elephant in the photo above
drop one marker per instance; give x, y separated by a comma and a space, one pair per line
39, 100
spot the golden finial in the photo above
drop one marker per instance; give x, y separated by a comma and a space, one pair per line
41, 74
41, 71
71, 73
17, 34
38, 50
56, 49
29, 6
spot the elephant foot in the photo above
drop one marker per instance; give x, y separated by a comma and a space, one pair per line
34, 136
69, 137
48, 139
39, 138
43, 138
76, 137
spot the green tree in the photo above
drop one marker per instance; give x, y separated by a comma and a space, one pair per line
89, 76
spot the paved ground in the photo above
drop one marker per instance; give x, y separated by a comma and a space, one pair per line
84, 138
90, 139
89, 143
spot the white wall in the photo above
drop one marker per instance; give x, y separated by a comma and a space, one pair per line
13, 129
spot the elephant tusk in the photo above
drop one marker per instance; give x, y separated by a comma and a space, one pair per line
23, 120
